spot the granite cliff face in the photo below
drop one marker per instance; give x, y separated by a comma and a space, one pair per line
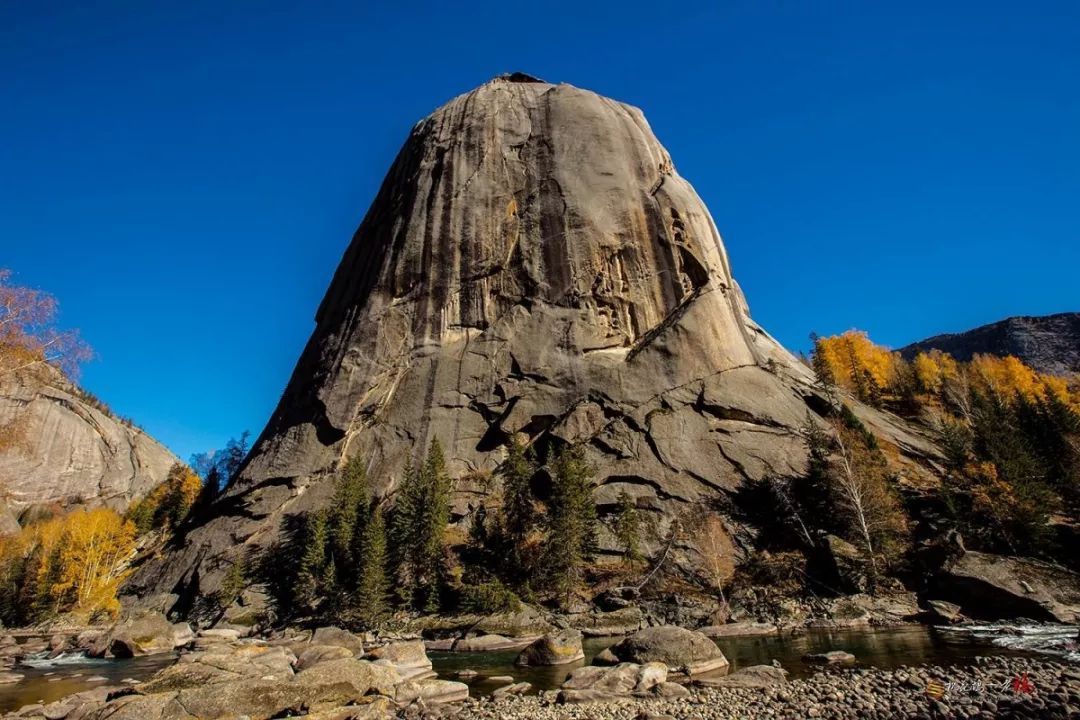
533, 264
1049, 344
65, 451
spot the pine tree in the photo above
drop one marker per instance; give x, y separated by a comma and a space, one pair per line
372, 587
421, 514
312, 561
571, 519
404, 520
628, 529
518, 512
349, 507
435, 518
823, 371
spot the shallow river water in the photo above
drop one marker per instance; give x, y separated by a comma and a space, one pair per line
885, 648
46, 681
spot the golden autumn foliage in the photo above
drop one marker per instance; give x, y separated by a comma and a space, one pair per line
857, 364
28, 332
933, 369
1011, 435
167, 504
69, 563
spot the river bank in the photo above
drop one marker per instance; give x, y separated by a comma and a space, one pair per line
221, 675
990, 688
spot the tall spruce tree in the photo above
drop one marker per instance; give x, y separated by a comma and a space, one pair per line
372, 587
313, 561
518, 511
435, 518
421, 513
571, 538
348, 510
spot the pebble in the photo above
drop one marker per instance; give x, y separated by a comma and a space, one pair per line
869, 693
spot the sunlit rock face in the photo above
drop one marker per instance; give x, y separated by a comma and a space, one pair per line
60, 449
533, 264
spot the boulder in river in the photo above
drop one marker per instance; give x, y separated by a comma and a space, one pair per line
490, 643
682, 651
754, 676
142, 632
557, 648
408, 657
518, 688
430, 692
944, 612
995, 587
739, 629
593, 683
832, 657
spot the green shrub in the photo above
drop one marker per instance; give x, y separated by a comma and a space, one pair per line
489, 597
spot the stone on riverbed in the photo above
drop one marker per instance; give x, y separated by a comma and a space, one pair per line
490, 643
408, 657
315, 654
440, 644
683, 651
9, 677
592, 683
512, 689
220, 634
739, 629
996, 587
337, 636
755, 676
945, 612
832, 657
431, 692
553, 649
142, 632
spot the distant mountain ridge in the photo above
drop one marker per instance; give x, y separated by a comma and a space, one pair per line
1048, 343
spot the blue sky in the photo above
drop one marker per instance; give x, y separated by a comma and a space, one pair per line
184, 176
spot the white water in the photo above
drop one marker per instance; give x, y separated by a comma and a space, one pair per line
42, 660
1058, 640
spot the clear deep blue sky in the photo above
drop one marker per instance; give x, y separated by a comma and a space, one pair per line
184, 176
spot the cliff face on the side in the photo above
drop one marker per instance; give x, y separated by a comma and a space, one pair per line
59, 450
533, 264
1049, 344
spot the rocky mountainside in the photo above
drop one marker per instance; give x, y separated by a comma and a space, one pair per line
62, 449
1048, 343
532, 264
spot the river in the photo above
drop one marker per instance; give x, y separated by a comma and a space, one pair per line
46, 681
884, 648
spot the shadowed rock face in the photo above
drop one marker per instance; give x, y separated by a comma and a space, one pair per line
532, 264
66, 451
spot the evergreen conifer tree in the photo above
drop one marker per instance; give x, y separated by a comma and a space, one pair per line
312, 561
518, 512
571, 519
372, 587
348, 509
421, 513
